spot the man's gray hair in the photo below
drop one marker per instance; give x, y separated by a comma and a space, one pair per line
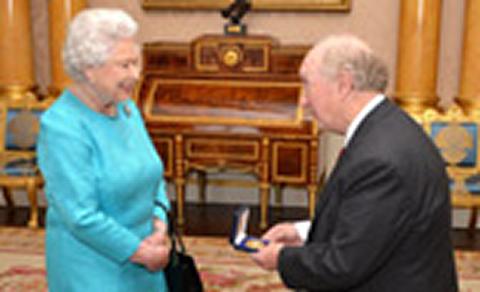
91, 36
347, 52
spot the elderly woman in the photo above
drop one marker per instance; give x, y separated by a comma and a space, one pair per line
104, 179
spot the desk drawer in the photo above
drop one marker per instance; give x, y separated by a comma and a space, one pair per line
290, 162
225, 149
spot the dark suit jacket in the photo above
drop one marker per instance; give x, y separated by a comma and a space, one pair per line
382, 222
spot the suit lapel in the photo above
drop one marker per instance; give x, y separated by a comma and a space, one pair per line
331, 188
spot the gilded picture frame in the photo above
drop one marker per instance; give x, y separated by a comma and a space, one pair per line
275, 5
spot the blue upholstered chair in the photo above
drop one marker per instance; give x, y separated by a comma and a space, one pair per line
456, 135
19, 126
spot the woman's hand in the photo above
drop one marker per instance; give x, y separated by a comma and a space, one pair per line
159, 235
152, 254
154, 250
160, 226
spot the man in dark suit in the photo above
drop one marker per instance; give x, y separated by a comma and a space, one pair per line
382, 222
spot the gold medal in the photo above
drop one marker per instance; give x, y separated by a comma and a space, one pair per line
254, 244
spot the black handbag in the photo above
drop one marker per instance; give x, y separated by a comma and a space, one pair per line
181, 272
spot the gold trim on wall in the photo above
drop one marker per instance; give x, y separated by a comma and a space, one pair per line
279, 5
18, 92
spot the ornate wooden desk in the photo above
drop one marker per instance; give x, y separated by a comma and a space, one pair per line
223, 102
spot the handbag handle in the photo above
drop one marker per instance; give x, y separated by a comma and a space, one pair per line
172, 228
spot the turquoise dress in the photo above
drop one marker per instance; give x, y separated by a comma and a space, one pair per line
102, 177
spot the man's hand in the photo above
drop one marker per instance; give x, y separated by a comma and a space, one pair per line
285, 233
267, 257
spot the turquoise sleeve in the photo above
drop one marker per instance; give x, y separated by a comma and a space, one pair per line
162, 198
67, 162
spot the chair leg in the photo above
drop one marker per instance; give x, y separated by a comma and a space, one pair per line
473, 222
32, 197
7, 194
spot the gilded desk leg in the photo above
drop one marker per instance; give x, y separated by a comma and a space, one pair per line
32, 197
7, 194
264, 183
264, 199
179, 179
313, 184
312, 195
180, 191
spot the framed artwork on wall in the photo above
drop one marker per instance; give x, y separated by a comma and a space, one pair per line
278, 5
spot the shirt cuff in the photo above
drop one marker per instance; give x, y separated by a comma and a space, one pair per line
302, 227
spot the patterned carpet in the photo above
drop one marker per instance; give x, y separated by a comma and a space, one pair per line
222, 268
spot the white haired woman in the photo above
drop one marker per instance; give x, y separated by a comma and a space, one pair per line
103, 176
